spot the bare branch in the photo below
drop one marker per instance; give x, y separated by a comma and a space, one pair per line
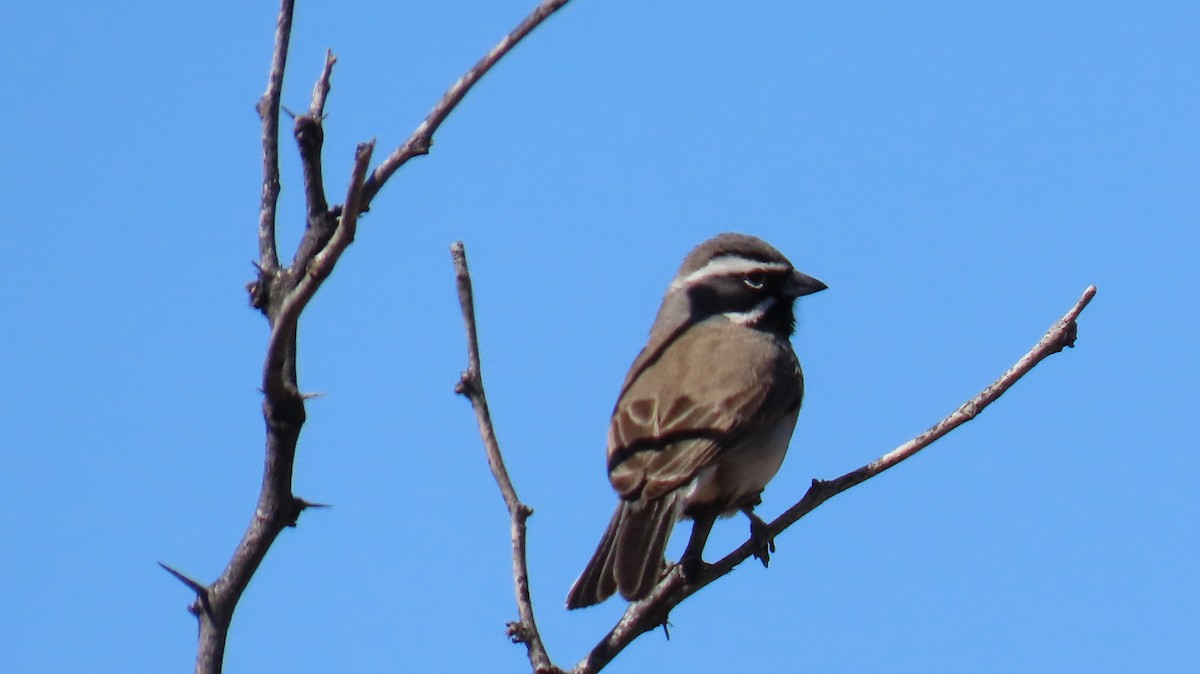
322, 265
283, 293
422, 138
315, 272
646, 615
321, 89
321, 221
470, 385
268, 112
283, 407
310, 139
1060, 335
283, 411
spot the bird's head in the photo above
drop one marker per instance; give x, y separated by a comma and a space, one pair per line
742, 278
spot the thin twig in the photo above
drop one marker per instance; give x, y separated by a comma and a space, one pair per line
422, 138
646, 615
310, 139
322, 265
268, 112
470, 385
1060, 335
321, 89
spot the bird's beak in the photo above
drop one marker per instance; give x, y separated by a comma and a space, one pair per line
803, 284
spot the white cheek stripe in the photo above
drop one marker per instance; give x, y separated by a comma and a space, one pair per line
753, 316
727, 265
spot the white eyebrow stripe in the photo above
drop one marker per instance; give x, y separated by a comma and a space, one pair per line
727, 265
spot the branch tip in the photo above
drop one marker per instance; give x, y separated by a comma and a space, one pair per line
321, 88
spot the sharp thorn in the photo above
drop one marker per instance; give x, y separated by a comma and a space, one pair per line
193, 585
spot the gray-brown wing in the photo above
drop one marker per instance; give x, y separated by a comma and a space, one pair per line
715, 382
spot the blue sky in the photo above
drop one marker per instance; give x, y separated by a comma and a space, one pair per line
957, 173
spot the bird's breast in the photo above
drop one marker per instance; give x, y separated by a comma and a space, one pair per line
743, 471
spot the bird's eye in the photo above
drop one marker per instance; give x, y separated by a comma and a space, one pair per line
754, 281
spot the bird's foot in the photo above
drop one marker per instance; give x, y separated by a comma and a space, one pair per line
760, 535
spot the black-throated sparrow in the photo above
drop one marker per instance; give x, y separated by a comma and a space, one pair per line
705, 414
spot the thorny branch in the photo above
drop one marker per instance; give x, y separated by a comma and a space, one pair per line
650, 613
283, 293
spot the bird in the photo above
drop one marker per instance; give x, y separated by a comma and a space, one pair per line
704, 416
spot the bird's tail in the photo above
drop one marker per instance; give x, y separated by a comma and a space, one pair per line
631, 553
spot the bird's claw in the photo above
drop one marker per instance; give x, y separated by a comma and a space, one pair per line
764, 542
